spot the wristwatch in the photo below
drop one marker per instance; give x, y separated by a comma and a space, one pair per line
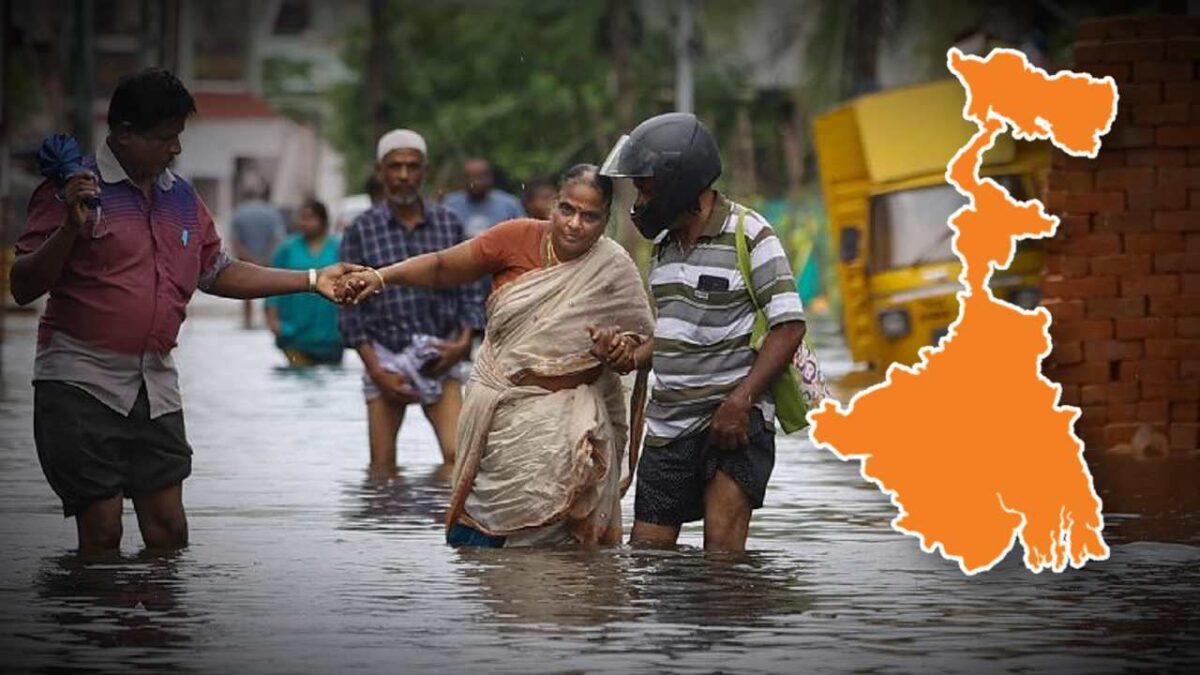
312, 280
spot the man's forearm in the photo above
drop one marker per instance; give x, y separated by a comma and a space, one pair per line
35, 273
245, 280
370, 360
773, 357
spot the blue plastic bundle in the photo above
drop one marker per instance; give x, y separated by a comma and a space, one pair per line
59, 159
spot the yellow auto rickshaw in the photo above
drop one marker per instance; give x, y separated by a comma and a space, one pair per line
882, 159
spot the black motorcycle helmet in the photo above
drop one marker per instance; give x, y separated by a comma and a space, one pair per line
679, 153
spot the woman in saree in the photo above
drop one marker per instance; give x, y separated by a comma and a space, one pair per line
543, 429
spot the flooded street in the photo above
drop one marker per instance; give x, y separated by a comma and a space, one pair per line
300, 562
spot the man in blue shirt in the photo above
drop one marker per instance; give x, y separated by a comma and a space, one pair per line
482, 205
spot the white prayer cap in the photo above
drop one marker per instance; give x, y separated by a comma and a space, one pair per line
400, 139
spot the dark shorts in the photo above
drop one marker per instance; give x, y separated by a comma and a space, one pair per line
671, 479
89, 451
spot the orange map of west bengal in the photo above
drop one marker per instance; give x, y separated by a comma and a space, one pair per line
971, 443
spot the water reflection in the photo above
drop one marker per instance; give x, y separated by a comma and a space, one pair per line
125, 602
397, 499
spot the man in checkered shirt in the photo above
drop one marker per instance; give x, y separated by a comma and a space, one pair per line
403, 334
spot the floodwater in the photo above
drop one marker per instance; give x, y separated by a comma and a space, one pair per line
300, 562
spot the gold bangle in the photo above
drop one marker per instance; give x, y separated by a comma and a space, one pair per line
382, 281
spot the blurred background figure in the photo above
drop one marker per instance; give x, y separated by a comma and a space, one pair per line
481, 205
352, 206
306, 331
538, 197
257, 228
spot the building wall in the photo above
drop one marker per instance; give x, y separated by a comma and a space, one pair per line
1123, 272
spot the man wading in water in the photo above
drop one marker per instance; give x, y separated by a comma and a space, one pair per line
710, 444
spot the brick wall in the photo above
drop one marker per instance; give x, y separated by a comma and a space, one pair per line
1123, 272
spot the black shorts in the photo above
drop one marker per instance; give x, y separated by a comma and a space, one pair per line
89, 451
671, 479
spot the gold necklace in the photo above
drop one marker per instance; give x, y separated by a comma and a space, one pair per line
549, 256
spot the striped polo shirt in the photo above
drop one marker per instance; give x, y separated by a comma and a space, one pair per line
705, 317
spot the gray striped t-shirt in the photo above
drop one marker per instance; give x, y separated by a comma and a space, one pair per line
705, 317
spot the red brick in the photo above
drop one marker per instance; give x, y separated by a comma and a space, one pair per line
1081, 373
1158, 198
1091, 435
1188, 326
1087, 51
1066, 353
1164, 25
1131, 137
1147, 93
1191, 243
1073, 226
1185, 412
1072, 180
1123, 178
1086, 287
1082, 329
1110, 157
1169, 262
1194, 117
1151, 284
1172, 348
1112, 350
1177, 221
1194, 199
1115, 434
1191, 261
1177, 136
1153, 411
1148, 370
1162, 71
1177, 112
1145, 327
1175, 91
1094, 202
1121, 72
1064, 310
1185, 436
1123, 392
1191, 285
1188, 177
1122, 264
1121, 413
1183, 49
1090, 394
1174, 305
1070, 394
1157, 157
1120, 51
1121, 27
1094, 414
1074, 267
1189, 370
1115, 308
1152, 242
1096, 244
1184, 392
1193, 156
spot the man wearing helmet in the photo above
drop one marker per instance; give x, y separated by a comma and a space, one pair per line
710, 443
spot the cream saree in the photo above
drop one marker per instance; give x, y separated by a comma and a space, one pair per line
542, 467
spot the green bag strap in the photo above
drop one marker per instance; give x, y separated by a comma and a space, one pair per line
743, 261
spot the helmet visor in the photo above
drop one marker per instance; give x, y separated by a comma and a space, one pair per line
628, 160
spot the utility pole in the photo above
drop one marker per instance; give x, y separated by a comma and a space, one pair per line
684, 86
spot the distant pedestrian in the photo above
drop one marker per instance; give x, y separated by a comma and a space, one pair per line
305, 326
257, 228
481, 205
538, 197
